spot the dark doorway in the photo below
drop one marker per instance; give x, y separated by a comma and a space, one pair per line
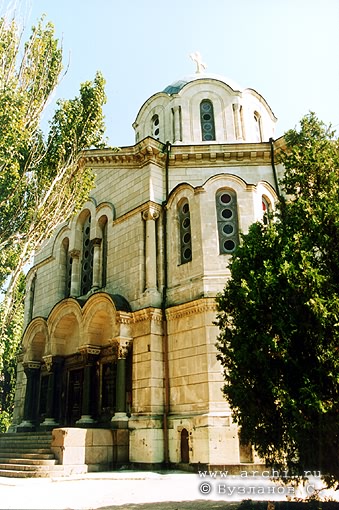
184, 449
74, 400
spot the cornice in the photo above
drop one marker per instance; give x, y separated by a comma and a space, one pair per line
146, 151
148, 314
192, 308
203, 155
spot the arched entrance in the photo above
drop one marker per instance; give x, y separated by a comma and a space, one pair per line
184, 448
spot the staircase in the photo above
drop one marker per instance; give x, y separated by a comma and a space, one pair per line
29, 455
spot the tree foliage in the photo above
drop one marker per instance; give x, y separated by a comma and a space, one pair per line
41, 180
279, 314
9, 349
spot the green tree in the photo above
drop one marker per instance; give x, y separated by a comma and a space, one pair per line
279, 314
9, 349
42, 180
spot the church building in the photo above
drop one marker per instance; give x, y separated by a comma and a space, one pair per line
120, 306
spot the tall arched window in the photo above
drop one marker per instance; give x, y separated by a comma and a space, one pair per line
258, 127
68, 267
227, 218
155, 127
207, 120
185, 231
103, 225
266, 209
87, 258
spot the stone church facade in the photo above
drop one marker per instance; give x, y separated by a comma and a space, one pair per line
120, 303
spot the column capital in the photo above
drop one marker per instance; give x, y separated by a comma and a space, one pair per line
124, 345
89, 352
97, 241
151, 213
34, 365
75, 254
50, 361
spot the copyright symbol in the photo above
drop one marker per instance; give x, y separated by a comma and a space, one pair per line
205, 488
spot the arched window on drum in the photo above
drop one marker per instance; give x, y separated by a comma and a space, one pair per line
207, 120
155, 127
257, 127
185, 231
227, 219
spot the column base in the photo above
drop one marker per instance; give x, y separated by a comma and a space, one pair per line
49, 423
26, 426
120, 421
86, 419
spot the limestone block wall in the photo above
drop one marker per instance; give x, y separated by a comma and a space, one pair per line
99, 449
148, 363
212, 439
195, 375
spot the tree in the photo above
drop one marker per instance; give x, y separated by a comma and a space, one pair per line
279, 315
41, 180
9, 349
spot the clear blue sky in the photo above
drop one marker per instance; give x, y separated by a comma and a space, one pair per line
287, 50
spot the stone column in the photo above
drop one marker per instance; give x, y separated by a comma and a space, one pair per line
53, 365
150, 216
120, 387
75, 276
177, 124
89, 354
97, 280
32, 371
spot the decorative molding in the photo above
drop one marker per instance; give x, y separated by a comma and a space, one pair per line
148, 314
192, 308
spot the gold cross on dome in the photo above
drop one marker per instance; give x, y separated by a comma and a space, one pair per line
196, 57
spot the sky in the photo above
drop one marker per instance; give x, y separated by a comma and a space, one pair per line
287, 50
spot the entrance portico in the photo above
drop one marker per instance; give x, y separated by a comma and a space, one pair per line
78, 365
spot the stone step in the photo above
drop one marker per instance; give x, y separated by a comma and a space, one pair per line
62, 471
23, 449
31, 443
29, 467
42, 456
33, 462
23, 435
22, 439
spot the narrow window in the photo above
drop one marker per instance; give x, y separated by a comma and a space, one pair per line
103, 225
185, 231
227, 217
266, 209
68, 269
155, 127
87, 258
207, 120
257, 127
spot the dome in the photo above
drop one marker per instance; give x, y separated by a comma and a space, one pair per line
175, 87
205, 108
